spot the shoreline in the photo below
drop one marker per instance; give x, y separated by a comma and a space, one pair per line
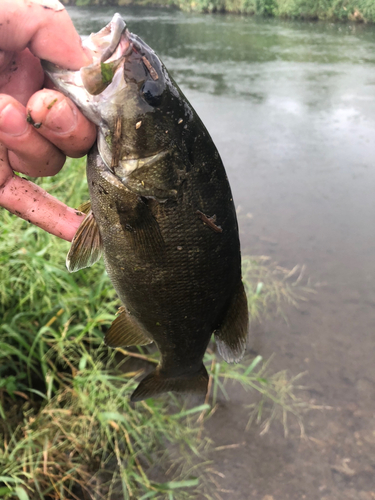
358, 11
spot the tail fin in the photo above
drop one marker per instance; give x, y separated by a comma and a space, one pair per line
156, 383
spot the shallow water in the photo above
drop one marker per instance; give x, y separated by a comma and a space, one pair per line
291, 108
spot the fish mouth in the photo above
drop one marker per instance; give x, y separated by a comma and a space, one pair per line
108, 49
111, 42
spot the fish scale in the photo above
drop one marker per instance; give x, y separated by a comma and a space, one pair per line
163, 217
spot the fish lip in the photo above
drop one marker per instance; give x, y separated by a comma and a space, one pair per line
117, 27
111, 44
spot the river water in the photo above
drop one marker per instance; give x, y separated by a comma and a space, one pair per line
291, 108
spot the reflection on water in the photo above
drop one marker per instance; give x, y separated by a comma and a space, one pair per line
291, 107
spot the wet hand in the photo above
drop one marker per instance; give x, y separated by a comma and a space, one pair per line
31, 30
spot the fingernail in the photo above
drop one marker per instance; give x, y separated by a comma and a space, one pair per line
61, 118
13, 121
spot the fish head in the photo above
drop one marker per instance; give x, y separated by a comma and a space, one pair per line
127, 92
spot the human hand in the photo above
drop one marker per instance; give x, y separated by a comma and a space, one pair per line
31, 30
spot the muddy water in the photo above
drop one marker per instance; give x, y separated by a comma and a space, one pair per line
291, 107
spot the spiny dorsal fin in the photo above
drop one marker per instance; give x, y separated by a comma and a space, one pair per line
125, 331
85, 207
86, 248
156, 383
232, 334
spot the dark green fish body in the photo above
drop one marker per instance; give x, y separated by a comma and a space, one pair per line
162, 213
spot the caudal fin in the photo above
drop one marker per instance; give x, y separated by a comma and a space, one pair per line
156, 383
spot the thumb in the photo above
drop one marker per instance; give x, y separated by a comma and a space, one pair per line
46, 29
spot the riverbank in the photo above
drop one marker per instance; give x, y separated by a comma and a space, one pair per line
328, 10
67, 427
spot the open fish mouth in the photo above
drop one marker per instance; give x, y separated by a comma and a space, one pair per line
108, 48
111, 36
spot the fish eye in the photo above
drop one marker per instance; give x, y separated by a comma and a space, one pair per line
152, 93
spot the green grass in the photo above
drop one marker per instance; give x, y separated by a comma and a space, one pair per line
67, 428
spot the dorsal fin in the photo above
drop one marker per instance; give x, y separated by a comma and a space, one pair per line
86, 248
126, 331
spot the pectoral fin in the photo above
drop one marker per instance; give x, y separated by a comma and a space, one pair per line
125, 331
86, 248
232, 334
143, 231
85, 207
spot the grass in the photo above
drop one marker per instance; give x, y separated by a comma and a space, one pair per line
269, 286
67, 428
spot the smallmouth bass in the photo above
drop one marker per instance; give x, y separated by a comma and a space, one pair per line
161, 213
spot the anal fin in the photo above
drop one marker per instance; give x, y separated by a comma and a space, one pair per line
232, 334
157, 383
86, 248
125, 331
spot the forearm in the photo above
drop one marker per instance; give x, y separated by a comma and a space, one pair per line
30, 202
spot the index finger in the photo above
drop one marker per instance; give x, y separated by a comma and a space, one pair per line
45, 28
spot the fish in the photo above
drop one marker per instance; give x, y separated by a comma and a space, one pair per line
161, 213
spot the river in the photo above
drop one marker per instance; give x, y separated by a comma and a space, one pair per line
291, 108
